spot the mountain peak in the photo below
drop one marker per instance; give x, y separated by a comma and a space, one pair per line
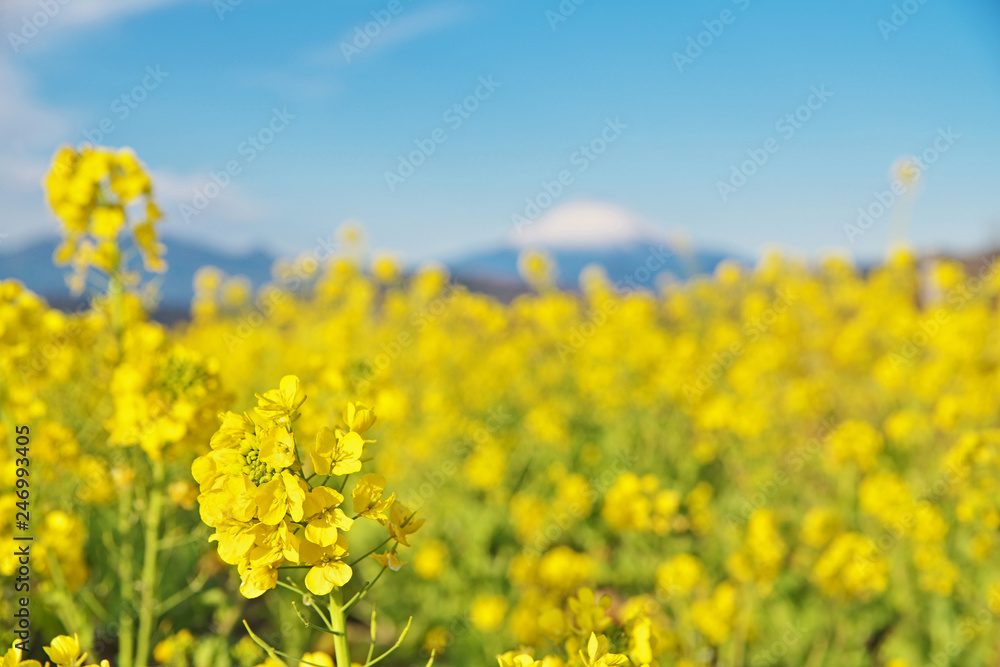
586, 224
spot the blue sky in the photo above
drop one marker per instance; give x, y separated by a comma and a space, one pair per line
558, 81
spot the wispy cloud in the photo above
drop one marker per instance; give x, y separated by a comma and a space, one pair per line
28, 132
410, 25
233, 204
78, 13
25, 122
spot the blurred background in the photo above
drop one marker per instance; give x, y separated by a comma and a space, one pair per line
795, 464
466, 131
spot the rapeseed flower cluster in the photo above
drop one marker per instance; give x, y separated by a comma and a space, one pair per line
256, 493
97, 193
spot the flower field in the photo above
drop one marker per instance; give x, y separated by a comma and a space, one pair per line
777, 465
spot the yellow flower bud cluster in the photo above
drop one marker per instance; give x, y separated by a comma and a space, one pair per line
165, 395
638, 504
94, 191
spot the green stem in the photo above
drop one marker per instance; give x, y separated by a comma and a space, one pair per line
370, 552
126, 621
180, 596
117, 296
66, 608
147, 610
374, 634
740, 645
338, 623
392, 648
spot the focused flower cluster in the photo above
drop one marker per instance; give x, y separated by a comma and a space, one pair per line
265, 511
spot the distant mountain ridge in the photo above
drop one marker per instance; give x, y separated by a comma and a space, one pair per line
633, 254
33, 266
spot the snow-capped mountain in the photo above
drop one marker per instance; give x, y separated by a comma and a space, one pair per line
586, 225
632, 250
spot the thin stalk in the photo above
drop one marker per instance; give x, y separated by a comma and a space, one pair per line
147, 609
374, 625
743, 632
364, 591
392, 648
96, 608
288, 586
370, 552
66, 608
117, 298
126, 621
180, 596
